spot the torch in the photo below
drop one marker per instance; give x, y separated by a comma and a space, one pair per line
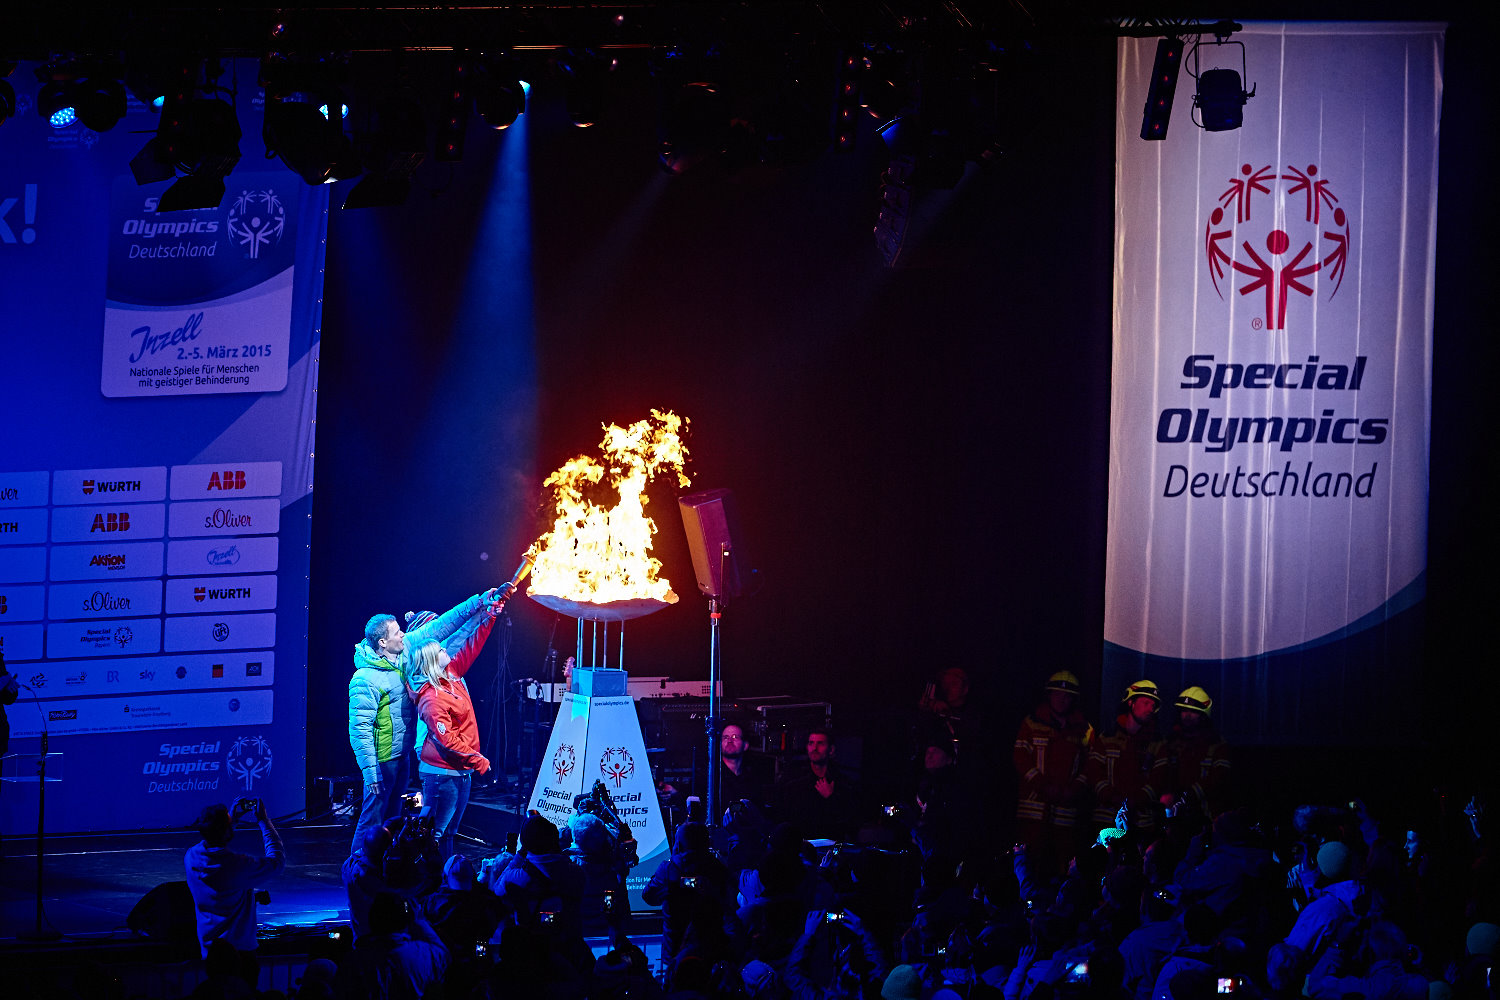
528, 560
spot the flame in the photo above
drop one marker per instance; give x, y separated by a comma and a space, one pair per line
596, 554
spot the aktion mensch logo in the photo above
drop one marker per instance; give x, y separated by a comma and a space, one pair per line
1277, 259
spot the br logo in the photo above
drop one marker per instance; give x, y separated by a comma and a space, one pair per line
1277, 261
616, 765
563, 761
249, 758
257, 221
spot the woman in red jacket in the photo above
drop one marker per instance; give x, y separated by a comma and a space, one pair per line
448, 736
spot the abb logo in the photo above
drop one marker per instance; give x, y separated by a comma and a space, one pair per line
229, 479
110, 522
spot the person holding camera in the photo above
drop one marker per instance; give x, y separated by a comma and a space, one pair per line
693, 889
401, 958
223, 882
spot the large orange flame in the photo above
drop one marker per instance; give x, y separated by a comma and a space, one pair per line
596, 554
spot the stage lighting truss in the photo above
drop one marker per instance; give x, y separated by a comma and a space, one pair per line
1219, 102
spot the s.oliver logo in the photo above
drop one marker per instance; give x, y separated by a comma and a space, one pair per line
1292, 228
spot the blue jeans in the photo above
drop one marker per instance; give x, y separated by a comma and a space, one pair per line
446, 796
381, 803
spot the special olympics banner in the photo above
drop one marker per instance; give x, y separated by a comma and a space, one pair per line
156, 477
1272, 341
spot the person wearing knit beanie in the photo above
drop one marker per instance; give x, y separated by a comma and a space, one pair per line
902, 984
1336, 861
539, 836
1483, 939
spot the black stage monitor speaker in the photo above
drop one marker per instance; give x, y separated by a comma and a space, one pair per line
165, 914
717, 544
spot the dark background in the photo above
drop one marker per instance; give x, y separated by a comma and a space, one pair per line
919, 454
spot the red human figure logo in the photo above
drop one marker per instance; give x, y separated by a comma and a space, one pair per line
1336, 258
1276, 282
1313, 188
1241, 191
1217, 258
616, 764
1274, 270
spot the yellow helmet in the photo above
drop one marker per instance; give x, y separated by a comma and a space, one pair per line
1065, 681
1195, 699
1142, 689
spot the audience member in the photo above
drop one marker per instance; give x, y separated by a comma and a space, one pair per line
223, 882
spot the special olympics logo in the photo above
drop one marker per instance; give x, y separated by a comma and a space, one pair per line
123, 636
256, 220
1280, 271
249, 758
563, 761
616, 765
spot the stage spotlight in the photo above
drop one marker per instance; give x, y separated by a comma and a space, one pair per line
1220, 100
584, 71
1219, 103
308, 141
54, 102
499, 92
100, 103
1162, 89
201, 137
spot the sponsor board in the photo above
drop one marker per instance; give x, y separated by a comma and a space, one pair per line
126, 522
21, 603
23, 565
103, 600
127, 713
21, 642
220, 632
227, 479
110, 560
118, 637
179, 672
222, 555
91, 486
27, 526
199, 595
228, 516
23, 489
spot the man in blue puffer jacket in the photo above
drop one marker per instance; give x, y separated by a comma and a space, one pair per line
382, 716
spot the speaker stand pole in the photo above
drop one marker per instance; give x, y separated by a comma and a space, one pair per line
711, 800
41, 933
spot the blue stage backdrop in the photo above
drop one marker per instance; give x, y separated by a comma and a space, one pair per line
156, 478
1272, 383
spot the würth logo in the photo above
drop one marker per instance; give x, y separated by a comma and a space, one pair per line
1277, 261
199, 593
88, 486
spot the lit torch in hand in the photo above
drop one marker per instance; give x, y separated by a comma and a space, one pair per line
502, 593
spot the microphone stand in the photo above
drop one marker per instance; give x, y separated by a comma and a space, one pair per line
41, 933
